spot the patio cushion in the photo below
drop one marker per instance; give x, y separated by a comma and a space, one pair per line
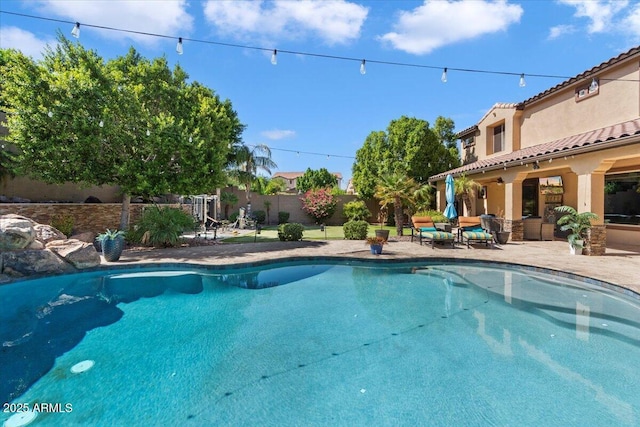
438, 235
477, 235
428, 229
473, 228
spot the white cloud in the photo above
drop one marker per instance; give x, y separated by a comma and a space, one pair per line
631, 24
560, 30
438, 23
334, 21
278, 134
166, 17
599, 12
24, 41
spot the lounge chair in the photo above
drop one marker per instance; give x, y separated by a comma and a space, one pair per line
424, 228
471, 231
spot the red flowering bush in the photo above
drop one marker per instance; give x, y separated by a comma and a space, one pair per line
319, 204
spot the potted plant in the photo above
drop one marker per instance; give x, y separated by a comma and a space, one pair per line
112, 244
382, 219
578, 224
499, 233
375, 243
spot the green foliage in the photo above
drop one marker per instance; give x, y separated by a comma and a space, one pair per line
355, 230
315, 179
283, 217
234, 216
246, 161
577, 223
129, 121
399, 190
228, 200
290, 232
63, 223
275, 186
161, 227
408, 147
356, 210
319, 204
260, 216
109, 235
436, 216
466, 188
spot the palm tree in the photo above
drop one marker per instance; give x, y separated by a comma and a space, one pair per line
247, 160
466, 188
399, 190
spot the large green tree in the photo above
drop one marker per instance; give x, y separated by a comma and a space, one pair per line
129, 122
246, 161
399, 190
410, 147
313, 179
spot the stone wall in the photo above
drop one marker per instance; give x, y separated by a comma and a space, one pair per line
596, 243
517, 229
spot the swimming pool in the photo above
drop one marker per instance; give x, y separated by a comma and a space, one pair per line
320, 343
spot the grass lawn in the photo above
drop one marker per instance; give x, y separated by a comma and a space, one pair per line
311, 232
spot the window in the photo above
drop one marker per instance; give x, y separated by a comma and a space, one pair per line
587, 91
530, 197
622, 198
498, 138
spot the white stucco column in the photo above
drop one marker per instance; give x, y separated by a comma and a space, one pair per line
590, 189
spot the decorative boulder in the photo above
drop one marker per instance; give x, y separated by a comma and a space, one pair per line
46, 233
87, 237
79, 254
30, 262
16, 232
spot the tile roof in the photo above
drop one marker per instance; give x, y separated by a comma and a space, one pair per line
598, 138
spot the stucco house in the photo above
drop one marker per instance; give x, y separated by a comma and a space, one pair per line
290, 178
576, 144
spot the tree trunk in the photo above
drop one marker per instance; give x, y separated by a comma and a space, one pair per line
397, 214
467, 204
124, 213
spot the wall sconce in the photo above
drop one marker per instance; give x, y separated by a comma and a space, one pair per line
536, 166
500, 181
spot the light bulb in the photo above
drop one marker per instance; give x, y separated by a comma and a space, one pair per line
363, 68
76, 30
50, 114
522, 82
190, 139
148, 132
179, 46
444, 76
101, 124
274, 57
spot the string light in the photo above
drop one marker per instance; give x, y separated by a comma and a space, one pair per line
363, 68
444, 76
101, 124
76, 30
274, 57
148, 132
179, 46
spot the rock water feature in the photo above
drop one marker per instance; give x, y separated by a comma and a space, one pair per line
29, 248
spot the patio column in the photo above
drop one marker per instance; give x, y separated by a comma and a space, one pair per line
513, 204
590, 198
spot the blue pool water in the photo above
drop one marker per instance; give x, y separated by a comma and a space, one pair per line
320, 344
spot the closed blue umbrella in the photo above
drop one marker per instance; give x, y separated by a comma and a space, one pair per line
450, 194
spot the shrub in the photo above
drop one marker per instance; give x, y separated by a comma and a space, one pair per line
233, 217
260, 216
319, 204
283, 217
436, 216
161, 227
356, 211
355, 230
290, 232
63, 223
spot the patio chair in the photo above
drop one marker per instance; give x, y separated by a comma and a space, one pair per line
425, 229
471, 231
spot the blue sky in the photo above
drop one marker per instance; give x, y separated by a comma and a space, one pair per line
313, 104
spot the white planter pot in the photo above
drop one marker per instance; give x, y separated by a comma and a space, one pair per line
577, 248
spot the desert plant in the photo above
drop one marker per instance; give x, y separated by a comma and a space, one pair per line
375, 240
319, 204
436, 216
290, 232
398, 190
283, 217
109, 235
356, 210
228, 200
63, 223
466, 188
355, 230
161, 227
